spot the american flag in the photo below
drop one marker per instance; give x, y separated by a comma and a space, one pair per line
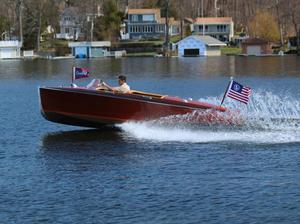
238, 92
79, 73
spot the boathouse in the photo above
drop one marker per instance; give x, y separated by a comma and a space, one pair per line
89, 49
196, 45
256, 46
10, 49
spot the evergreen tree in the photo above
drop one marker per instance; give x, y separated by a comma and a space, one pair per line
107, 27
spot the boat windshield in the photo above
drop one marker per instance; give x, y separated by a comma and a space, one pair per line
93, 84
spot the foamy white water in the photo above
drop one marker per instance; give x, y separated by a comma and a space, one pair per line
270, 119
147, 132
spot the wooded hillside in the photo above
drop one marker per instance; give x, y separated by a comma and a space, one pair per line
248, 15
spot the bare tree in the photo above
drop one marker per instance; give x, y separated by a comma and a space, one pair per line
167, 38
295, 19
279, 19
27, 18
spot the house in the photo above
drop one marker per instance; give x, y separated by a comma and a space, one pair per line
196, 45
148, 24
256, 46
89, 49
174, 26
10, 49
123, 32
221, 28
71, 24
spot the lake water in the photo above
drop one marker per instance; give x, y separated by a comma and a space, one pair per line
158, 171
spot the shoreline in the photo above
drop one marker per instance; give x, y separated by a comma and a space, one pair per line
143, 55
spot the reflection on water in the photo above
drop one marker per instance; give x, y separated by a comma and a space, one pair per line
165, 67
81, 139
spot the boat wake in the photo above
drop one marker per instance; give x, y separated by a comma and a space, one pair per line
268, 119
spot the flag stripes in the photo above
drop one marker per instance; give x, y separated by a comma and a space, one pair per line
239, 92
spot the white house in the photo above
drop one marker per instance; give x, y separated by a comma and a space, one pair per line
10, 49
221, 28
195, 45
89, 49
71, 24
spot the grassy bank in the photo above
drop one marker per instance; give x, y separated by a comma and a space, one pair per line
140, 42
141, 54
56, 47
228, 50
139, 48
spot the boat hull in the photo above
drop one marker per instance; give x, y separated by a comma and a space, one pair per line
92, 108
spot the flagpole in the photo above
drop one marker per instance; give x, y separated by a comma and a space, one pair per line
73, 75
225, 94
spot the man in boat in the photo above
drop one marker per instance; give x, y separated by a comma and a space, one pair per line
122, 88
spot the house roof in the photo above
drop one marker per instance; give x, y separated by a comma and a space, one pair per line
213, 20
70, 11
143, 11
10, 44
208, 40
255, 41
188, 20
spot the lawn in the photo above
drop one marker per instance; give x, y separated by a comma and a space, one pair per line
228, 50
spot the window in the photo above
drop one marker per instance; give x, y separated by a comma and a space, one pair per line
221, 28
175, 30
133, 29
67, 30
68, 18
134, 18
148, 17
160, 28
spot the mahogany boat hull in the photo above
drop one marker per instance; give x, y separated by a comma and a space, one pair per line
92, 108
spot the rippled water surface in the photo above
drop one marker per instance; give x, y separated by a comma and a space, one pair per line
158, 171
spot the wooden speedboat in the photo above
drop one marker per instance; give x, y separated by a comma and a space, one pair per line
88, 107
